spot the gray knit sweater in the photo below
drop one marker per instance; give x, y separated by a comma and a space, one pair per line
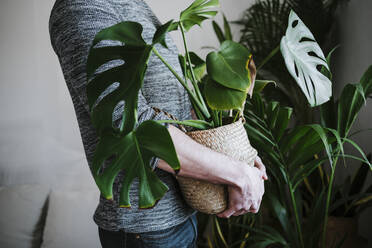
73, 25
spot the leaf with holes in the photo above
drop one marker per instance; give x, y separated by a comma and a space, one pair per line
135, 54
303, 57
132, 153
125, 148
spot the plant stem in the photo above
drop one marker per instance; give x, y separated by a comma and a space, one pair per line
237, 115
290, 187
294, 205
194, 82
329, 194
194, 100
272, 53
215, 118
198, 114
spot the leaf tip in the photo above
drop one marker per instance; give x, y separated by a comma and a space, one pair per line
125, 206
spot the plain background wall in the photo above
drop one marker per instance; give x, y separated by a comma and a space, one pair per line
39, 137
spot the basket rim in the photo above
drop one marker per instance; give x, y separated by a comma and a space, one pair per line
240, 120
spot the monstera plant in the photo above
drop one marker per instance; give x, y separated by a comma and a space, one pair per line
136, 143
215, 95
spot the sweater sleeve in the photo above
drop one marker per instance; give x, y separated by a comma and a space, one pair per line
73, 26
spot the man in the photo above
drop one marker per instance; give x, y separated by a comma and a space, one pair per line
171, 223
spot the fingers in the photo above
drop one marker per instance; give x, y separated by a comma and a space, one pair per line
258, 163
234, 211
240, 212
255, 207
231, 212
227, 213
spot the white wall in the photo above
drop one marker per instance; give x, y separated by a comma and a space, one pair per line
39, 139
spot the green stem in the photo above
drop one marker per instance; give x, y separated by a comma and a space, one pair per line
195, 100
188, 57
193, 81
329, 194
236, 116
272, 54
215, 118
290, 187
294, 205
198, 114
220, 112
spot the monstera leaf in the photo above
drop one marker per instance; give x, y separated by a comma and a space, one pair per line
132, 153
231, 72
304, 60
197, 12
127, 148
135, 54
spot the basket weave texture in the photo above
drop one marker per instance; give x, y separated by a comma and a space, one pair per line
231, 140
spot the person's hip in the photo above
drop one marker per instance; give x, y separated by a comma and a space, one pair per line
183, 235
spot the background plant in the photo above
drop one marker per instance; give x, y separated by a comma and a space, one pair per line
263, 26
292, 157
313, 196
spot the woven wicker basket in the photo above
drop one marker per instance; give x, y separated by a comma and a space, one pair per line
231, 140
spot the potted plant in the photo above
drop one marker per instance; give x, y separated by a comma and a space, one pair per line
218, 98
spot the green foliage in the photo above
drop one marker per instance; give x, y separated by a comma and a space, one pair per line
130, 147
159, 36
353, 97
118, 146
148, 140
292, 155
263, 26
351, 197
222, 35
259, 85
197, 12
302, 56
222, 233
228, 76
199, 66
288, 154
135, 53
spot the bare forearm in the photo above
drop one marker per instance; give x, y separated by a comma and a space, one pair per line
200, 162
245, 183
